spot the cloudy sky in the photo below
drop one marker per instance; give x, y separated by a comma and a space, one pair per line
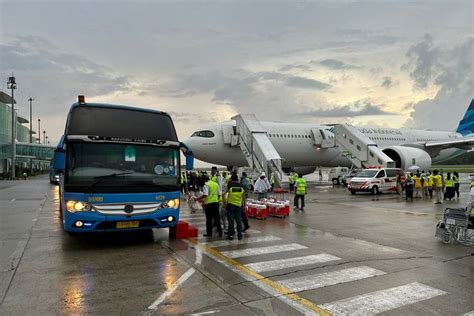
372, 63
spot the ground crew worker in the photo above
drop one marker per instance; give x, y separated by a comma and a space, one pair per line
292, 179
300, 192
246, 184
183, 182
472, 180
456, 183
272, 181
210, 197
437, 186
449, 185
235, 201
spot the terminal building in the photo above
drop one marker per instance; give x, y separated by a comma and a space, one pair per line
31, 157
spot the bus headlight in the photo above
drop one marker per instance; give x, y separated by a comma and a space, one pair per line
170, 204
77, 206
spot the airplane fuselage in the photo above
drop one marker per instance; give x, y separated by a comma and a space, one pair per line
295, 144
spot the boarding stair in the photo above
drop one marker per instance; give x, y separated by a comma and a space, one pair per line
360, 149
257, 148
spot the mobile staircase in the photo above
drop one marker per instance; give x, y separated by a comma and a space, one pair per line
360, 149
257, 148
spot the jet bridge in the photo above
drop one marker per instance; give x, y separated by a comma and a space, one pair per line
360, 149
257, 148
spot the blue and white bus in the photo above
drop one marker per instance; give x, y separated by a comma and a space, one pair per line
119, 169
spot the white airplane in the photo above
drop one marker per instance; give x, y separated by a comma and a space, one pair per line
295, 142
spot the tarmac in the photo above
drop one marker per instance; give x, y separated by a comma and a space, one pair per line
354, 255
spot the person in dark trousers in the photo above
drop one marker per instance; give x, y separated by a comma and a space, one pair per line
456, 183
300, 191
235, 202
211, 206
246, 184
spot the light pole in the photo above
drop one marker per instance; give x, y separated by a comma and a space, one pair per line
31, 120
47, 141
31, 131
39, 131
44, 137
11, 84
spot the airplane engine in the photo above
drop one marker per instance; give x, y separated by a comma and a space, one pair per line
405, 157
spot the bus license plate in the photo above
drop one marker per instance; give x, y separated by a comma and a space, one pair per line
129, 224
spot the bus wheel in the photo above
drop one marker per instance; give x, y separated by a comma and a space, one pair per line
353, 192
335, 181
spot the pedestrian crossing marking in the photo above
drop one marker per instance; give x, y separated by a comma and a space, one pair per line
310, 282
384, 300
262, 250
265, 266
203, 228
274, 289
249, 240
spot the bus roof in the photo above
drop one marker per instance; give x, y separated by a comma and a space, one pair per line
110, 120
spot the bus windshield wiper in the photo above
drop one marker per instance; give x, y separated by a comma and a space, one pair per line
107, 176
114, 174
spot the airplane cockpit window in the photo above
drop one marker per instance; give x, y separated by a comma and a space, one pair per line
207, 134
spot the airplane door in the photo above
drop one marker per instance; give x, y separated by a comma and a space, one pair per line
321, 138
228, 132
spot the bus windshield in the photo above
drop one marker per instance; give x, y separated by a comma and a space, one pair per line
121, 168
366, 174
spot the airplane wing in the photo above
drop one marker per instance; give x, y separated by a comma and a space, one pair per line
465, 143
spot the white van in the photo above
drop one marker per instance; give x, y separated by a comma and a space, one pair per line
335, 174
376, 181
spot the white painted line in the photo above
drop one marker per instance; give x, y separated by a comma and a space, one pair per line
261, 250
170, 290
272, 292
469, 314
381, 301
206, 313
12, 200
280, 264
248, 240
310, 282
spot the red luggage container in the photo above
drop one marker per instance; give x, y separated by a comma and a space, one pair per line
261, 212
251, 210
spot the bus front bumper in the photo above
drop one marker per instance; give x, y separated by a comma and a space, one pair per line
84, 222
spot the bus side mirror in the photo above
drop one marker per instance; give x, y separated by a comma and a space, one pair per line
58, 160
189, 162
188, 153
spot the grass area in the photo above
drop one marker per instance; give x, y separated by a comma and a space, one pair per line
458, 168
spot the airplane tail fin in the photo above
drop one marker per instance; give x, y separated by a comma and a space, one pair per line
466, 125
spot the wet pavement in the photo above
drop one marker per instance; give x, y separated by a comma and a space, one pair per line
344, 254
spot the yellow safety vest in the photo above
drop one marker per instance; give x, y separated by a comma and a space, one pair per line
456, 179
213, 192
472, 211
300, 186
472, 183
291, 177
235, 196
449, 183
